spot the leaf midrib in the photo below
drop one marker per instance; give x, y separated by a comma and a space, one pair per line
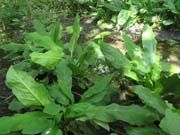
29, 89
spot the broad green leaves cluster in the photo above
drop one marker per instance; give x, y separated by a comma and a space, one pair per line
56, 84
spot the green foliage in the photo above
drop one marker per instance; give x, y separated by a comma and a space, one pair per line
170, 122
23, 86
56, 82
29, 123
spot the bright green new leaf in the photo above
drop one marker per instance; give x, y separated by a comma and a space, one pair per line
48, 59
26, 89
29, 123
134, 115
170, 123
64, 75
152, 99
149, 44
75, 36
99, 87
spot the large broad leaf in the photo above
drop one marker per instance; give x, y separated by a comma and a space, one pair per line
26, 89
144, 131
40, 40
170, 123
152, 99
149, 44
91, 95
114, 56
64, 75
48, 59
29, 123
76, 33
133, 114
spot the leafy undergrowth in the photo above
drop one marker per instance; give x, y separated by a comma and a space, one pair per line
66, 88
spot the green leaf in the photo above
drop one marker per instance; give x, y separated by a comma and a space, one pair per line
14, 47
123, 17
29, 123
15, 105
64, 75
83, 1
76, 33
134, 115
152, 99
102, 124
136, 55
99, 87
149, 44
48, 59
171, 6
170, 123
52, 131
58, 95
56, 32
144, 131
114, 56
52, 109
26, 89
40, 40
39, 27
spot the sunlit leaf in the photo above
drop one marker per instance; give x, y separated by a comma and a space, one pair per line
26, 89
149, 44
48, 59
76, 33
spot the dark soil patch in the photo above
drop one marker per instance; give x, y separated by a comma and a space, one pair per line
5, 93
